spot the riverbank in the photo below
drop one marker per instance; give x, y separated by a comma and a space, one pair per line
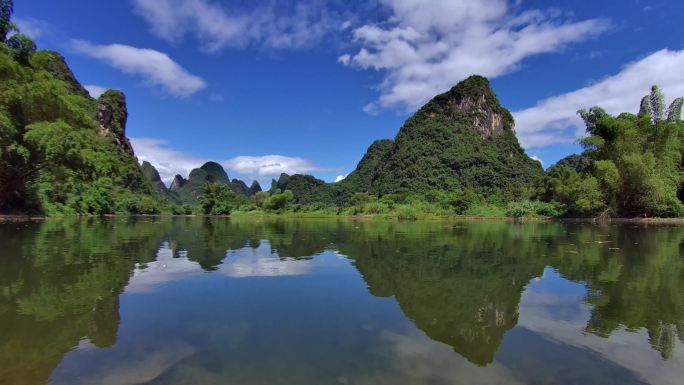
366, 217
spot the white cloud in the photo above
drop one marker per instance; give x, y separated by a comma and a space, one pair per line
157, 68
167, 267
170, 162
277, 24
262, 262
538, 159
270, 165
427, 47
344, 59
340, 178
167, 161
31, 27
555, 120
95, 91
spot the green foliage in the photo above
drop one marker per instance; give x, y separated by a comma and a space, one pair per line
182, 210
96, 198
217, 199
53, 157
6, 10
138, 204
578, 193
531, 209
449, 144
307, 190
407, 213
23, 47
657, 104
278, 201
635, 164
457, 201
189, 191
674, 113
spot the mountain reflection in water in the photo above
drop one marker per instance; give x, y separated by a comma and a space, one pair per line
193, 300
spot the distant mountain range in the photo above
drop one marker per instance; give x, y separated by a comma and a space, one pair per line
188, 191
461, 139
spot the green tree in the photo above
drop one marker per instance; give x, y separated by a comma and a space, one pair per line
217, 199
6, 10
279, 200
635, 166
23, 47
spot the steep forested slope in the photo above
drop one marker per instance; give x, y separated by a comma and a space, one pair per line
61, 151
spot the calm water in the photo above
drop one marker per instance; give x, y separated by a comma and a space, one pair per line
198, 301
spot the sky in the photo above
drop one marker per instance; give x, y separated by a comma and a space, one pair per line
265, 87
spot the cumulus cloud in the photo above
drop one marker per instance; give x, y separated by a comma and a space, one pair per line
156, 68
277, 24
555, 120
167, 161
95, 91
426, 47
170, 162
270, 165
340, 178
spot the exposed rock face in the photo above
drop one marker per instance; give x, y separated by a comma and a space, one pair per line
112, 115
473, 100
485, 120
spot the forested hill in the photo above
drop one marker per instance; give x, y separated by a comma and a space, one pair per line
462, 139
188, 191
61, 151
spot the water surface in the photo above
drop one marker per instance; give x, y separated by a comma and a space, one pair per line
219, 301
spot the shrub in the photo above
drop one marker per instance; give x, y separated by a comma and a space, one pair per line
182, 210
532, 209
279, 201
407, 213
96, 198
138, 204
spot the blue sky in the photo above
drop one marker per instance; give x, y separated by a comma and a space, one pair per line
279, 86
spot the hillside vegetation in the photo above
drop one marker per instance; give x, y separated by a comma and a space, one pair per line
61, 151
64, 153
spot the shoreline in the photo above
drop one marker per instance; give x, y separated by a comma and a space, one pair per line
13, 218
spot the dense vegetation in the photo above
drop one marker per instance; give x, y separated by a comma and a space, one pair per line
631, 166
189, 191
462, 139
61, 152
